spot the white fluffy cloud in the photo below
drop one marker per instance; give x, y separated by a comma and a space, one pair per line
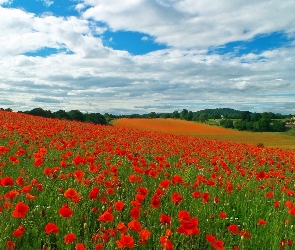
195, 24
4, 1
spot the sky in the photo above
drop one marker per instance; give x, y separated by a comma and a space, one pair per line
142, 56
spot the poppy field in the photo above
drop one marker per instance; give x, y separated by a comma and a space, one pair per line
73, 185
201, 130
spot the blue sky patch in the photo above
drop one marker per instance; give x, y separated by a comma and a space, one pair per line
135, 43
57, 7
256, 45
46, 51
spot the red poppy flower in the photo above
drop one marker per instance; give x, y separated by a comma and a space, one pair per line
7, 181
276, 204
119, 205
144, 234
106, 217
51, 228
261, 222
222, 215
79, 174
19, 231
233, 228
20, 210
30, 197
164, 184
156, 201
183, 215
134, 225
189, 227
122, 228
165, 219
69, 238
125, 241
65, 211
135, 213
142, 190
166, 243
196, 194
20, 181
177, 179
72, 194
80, 246
176, 198
94, 193
245, 233
10, 245
98, 246
11, 194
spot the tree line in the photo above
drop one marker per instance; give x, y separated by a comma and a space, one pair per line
74, 115
225, 117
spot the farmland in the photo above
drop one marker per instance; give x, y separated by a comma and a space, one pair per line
74, 185
181, 127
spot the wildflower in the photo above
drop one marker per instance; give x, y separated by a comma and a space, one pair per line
51, 228
20, 210
222, 215
69, 238
7, 181
125, 241
261, 222
72, 194
106, 217
234, 229
19, 231
80, 246
119, 205
135, 213
165, 219
166, 243
156, 201
176, 198
164, 184
10, 245
122, 228
134, 225
65, 211
144, 235
99, 246
30, 197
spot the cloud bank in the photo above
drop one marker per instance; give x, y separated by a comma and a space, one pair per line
72, 68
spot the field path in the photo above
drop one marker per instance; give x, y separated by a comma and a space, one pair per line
181, 127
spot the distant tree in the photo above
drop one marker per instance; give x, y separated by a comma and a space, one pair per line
183, 114
153, 115
61, 114
108, 117
195, 117
8, 109
189, 116
278, 126
240, 125
166, 115
227, 123
203, 117
76, 115
40, 112
175, 115
250, 126
256, 117
246, 116
95, 118
263, 125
